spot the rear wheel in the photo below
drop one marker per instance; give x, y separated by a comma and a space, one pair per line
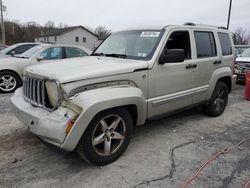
9, 82
218, 101
107, 137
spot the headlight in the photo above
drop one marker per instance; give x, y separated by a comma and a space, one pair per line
53, 92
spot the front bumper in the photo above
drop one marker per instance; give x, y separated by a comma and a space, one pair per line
49, 126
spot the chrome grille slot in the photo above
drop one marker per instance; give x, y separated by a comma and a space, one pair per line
34, 91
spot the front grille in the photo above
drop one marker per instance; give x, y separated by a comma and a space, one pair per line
34, 91
243, 66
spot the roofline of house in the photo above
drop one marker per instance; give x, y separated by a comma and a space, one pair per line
73, 28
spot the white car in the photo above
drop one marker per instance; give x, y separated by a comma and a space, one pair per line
11, 68
242, 65
16, 49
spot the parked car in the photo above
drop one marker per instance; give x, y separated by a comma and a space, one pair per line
16, 49
2, 46
11, 68
242, 65
240, 48
92, 104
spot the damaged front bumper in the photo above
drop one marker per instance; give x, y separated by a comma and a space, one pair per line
49, 126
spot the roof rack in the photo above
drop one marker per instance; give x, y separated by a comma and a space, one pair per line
193, 24
189, 23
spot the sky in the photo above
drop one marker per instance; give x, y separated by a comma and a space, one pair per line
121, 14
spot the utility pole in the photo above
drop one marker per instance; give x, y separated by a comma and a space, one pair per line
2, 21
229, 14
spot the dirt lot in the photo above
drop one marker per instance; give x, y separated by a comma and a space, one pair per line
163, 153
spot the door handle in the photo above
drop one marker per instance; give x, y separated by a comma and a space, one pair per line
217, 62
191, 66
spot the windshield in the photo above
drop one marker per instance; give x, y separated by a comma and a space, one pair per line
246, 53
31, 52
137, 44
5, 50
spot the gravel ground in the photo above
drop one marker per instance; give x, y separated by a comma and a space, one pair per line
163, 153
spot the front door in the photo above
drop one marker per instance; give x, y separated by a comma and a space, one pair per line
171, 84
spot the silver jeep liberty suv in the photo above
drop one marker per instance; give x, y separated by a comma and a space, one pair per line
92, 104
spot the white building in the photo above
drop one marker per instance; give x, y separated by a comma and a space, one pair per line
77, 35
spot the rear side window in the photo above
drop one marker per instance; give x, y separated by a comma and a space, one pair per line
225, 43
74, 52
205, 44
21, 49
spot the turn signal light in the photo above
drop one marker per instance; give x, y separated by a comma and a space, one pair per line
70, 125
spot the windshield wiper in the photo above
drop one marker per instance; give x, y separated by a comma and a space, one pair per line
21, 57
98, 54
116, 55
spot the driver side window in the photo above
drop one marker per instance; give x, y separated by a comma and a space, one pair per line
52, 53
179, 40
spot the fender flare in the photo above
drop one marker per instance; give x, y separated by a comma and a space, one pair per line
94, 101
218, 74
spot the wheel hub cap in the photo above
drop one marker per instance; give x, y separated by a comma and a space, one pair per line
109, 135
7, 83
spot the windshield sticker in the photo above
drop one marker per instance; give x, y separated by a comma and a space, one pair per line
150, 34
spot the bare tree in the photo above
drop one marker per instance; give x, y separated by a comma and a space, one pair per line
241, 36
102, 32
49, 24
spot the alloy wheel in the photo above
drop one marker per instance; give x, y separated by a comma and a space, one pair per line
7, 83
108, 135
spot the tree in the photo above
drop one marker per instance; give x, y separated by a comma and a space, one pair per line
49, 24
102, 32
241, 36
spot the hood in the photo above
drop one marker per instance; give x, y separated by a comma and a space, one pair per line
243, 59
69, 70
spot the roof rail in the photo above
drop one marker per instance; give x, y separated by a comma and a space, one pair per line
193, 24
189, 23
222, 27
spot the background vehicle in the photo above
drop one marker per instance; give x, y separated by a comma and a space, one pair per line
240, 48
2, 47
11, 68
242, 65
16, 49
133, 75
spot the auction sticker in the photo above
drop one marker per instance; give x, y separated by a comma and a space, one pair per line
150, 34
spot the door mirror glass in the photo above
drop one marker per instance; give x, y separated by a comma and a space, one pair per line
172, 56
39, 58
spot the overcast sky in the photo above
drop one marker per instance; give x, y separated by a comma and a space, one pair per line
120, 14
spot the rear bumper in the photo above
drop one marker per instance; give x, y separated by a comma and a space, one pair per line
49, 126
234, 80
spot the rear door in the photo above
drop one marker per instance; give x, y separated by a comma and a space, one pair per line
207, 59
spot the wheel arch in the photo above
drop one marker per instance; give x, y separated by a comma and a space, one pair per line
94, 101
14, 72
228, 81
223, 74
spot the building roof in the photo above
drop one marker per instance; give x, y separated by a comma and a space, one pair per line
60, 31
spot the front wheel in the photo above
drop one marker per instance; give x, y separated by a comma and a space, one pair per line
218, 101
107, 137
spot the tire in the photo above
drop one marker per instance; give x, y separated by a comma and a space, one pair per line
108, 129
218, 101
9, 82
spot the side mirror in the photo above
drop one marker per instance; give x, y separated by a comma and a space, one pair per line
39, 58
172, 56
12, 53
